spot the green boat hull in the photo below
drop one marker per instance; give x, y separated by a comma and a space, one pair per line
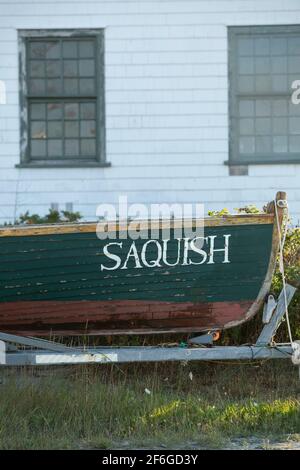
65, 280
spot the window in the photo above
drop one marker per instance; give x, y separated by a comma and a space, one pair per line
264, 123
62, 100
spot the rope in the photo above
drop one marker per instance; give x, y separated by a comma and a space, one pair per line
281, 266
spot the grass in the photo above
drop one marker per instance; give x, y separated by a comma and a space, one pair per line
107, 406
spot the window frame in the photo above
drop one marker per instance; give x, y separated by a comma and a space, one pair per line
235, 157
25, 158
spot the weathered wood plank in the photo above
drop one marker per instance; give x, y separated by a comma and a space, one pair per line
227, 220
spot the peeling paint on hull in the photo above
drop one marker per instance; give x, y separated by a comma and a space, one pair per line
114, 317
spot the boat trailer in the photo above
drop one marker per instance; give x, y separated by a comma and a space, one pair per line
21, 351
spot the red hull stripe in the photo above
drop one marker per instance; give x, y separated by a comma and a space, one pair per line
109, 317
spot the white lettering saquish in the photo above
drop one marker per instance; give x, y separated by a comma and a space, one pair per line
155, 254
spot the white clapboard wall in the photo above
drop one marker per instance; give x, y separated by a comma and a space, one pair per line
166, 106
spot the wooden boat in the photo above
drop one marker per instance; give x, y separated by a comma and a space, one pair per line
63, 279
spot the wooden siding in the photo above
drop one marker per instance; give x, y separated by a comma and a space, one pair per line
166, 106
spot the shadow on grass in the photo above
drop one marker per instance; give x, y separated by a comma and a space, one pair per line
142, 405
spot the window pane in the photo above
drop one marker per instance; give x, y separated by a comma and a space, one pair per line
38, 130
87, 68
37, 86
54, 86
293, 64
38, 148
37, 68
88, 147
38, 111
53, 50
262, 46
262, 65
246, 46
55, 148
279, 64
280, 83
71, 86
279, 46
246, 108
246, 65
54, 129
86, 86
54, 111
70, 49
263, 126
247, 126
294, 125
246, 83
71, 111
53, 68
88, 129
293, 45
280, 144
280, 107
247, 144
294, 143
263, 108
72, 147
280, 125
263, 83
37, 50
71, 129
86, 49
263, 144
70, 68
87, 111
294, 109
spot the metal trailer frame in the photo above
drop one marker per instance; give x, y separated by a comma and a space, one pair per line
41, 352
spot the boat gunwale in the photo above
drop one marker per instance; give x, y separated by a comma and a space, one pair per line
88, 227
